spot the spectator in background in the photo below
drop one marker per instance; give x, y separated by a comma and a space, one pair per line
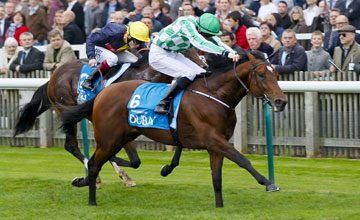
341, 21
204, 7
58, 52
72, 32
348, 53
92, 16
110, 6
275, 22
329, 35
137, 14
30, 58
230, 39
254, 7
55, 5
77, 8
291, 56
9, 10
299, 26
188, 9
157, 5
254, 39
149, 12
267, 37
37, 22
58, 21
351, 9
166, 10
149, 24
283, 12
235, 23
4, 24
298, 22
8, 54
319, 21
317, 57
17, 27
221, 14
267, 7
311, 12
119, 17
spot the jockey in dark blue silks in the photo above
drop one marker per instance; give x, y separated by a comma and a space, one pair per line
109, 46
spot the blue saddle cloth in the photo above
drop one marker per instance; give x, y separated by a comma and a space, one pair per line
84, 94
143, 102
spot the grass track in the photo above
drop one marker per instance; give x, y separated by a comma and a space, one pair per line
35, 184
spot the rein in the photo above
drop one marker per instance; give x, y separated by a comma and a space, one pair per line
264, 97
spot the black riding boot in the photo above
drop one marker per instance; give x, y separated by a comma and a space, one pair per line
163, 107
88, 82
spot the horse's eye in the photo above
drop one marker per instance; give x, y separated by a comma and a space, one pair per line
261, 75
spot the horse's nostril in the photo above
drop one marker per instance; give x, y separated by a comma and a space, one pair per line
280, 102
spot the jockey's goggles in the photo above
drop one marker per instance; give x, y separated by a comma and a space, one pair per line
206, 35
136, 41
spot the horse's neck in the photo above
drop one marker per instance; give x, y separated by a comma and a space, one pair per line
225, 86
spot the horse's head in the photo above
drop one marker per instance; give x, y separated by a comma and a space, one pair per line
262, 83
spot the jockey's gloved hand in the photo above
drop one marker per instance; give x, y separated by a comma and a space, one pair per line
234, 57
92, 62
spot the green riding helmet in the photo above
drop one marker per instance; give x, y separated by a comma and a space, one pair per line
209, 23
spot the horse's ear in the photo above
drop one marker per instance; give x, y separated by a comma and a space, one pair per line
251, 58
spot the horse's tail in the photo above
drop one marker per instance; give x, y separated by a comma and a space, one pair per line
39, 103
73, 114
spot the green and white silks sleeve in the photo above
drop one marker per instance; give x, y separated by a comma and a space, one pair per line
219, 42
198, 41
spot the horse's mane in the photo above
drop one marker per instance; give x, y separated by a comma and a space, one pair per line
222, 64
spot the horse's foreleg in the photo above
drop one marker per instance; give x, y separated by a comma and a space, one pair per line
167, 169
216, 162
222, 146
71, 145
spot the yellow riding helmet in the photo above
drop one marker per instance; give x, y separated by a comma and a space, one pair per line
139, 31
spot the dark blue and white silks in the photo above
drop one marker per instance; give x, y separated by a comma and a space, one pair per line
84, 94
143, 102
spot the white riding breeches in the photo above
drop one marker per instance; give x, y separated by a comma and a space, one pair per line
173, 64
113, 59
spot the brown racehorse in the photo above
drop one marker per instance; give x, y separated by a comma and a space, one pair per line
62, 89
202, 122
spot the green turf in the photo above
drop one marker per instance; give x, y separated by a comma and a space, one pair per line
35, 184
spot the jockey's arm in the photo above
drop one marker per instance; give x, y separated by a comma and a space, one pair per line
198, 41
219, 42
96, 38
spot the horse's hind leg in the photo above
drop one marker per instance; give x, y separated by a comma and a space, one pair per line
167, 169
216, 162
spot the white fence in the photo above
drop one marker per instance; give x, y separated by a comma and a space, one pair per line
246, 136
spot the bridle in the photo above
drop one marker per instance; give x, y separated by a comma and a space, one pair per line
264, 97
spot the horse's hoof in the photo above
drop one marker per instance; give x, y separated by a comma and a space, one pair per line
130, 183
164, 171
92, 203
77, 181
272, 188
98, 185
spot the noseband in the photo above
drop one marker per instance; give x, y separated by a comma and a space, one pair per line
264, 97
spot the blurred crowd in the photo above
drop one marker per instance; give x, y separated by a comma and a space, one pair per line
270, 27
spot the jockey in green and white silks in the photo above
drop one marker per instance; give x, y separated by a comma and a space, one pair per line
186, 32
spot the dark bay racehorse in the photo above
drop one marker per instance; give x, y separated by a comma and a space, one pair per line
202, 123
62, 89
